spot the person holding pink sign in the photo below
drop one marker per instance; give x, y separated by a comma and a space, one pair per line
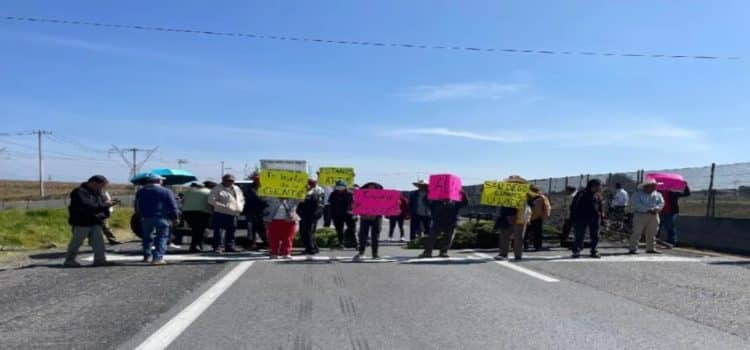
444, 222
369, 227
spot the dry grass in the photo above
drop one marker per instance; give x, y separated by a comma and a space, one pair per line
23, 190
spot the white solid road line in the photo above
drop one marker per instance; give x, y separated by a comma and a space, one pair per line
520, 269
172, 329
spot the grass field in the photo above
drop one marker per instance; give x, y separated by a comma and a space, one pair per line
23, 190
48, 228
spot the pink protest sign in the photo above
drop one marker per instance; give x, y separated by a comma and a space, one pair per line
445, 186
377, 202
669, 182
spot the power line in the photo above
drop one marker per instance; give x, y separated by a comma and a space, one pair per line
359, 43
133, 163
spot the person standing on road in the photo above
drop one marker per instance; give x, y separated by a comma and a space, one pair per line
228, 202
540, 210
369, 226
111, 238
419, 210
158, 209
620, 200
327, 209
197, 212
444, 222
587, 212
511, 226
669, 213
341, 201
86, 214
310, 211
647, 202
393, 221
254, 210
282, 225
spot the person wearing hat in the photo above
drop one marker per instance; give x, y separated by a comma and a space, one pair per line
419, 210
87, 211
158, 210
646, 204
369, 227
254, 209
310, 211
587, 212
228, 202
197, 213
511, 225
341, 201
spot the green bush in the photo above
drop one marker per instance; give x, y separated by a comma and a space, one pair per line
324, 237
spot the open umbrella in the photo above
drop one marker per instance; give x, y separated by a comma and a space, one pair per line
171, 176
668, 181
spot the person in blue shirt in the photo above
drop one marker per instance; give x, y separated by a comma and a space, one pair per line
158, 210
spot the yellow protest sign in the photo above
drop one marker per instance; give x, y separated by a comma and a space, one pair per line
283, 184
504, 194
329, 175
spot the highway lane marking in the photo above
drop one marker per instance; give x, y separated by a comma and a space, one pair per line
163, 337
520, 269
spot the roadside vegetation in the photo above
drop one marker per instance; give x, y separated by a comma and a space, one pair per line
11, 190
478, 235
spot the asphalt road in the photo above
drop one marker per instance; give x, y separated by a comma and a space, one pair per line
673, 301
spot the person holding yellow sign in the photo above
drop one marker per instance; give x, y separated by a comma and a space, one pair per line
511, 196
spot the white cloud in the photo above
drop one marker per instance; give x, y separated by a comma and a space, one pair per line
455, 91
456, 133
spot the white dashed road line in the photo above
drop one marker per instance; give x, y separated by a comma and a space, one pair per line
172, 329
520, 269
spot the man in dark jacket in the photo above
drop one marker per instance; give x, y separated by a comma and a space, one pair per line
444, 222
419, 210
87, 211
255, 207
341, 212
158, 210
669, 213
310, 211
587, 211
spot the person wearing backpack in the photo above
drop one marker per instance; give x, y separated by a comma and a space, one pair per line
540, 210
587, 212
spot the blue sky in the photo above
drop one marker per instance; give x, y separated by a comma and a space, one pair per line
392, 113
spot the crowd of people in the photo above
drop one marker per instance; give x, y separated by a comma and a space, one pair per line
273, 222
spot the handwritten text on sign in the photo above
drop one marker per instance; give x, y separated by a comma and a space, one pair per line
329, 176
504, 194
445, 187
283, 184
377, 202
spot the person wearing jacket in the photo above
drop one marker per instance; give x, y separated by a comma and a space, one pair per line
254, 209
540, 210
444, 221
669, 213
310, 211
646, 203
341, 201
158, 210
419, 210
393, 221
282, 221
511, 226
587, 212
86, 214
111, 238
369, 226
197, 213
228, 202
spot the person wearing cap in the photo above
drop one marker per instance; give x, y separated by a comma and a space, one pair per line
669, 213
310, 211
197, 213
341, 201
228, 202
511, 225
158, 210
86, 214
369, 227
419, 210
646, 204
587, 212
444, 221
255, 206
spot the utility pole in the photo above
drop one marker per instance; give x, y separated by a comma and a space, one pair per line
180, 162
133, 163
224, 169
39, 134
